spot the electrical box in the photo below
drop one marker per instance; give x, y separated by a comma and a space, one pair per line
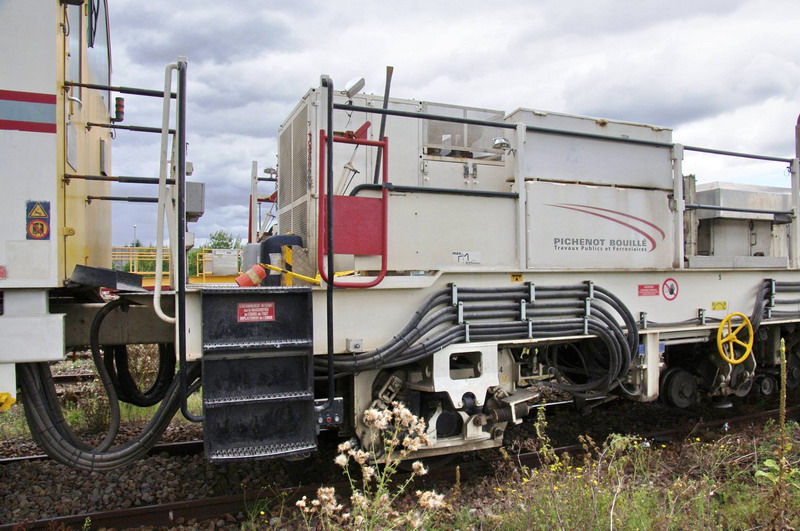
742, 239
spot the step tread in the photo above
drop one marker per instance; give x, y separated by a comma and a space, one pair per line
233, 346
252, 399
267, 450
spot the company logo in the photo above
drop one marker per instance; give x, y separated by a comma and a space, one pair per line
650, 233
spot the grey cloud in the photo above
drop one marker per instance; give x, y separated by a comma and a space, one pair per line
601, 17
219, 34
660, 99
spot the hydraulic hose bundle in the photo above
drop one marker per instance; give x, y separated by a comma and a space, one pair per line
51, 431
768, 299
458, 315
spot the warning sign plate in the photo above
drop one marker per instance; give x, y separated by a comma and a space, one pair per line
37, 220
37, 210
255, 312
649, 290
38, 229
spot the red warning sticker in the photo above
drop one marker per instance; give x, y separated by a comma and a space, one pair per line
255, 312
649, 290
670, 289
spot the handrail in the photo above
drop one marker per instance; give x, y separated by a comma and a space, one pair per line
324, 248
695, 206
122, 90
180, 141
135, 128
127, 199
135, 256
116, 178
736, 154
546, 130
162, 195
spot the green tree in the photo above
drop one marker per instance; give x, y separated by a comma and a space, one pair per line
223, 240
191, 260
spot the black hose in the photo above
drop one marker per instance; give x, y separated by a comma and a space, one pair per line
49, 430
128, 388
115, 361
103, 373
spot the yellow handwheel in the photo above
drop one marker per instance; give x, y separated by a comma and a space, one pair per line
728, 338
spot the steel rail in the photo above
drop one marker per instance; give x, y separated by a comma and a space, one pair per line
172, 449
74, 378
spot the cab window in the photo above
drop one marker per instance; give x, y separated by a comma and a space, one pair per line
99, 54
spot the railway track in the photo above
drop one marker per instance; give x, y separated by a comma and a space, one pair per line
171, 449
67, 379
178, 513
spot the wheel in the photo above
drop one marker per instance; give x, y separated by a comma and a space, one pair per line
766, 384
680, 388
792, 371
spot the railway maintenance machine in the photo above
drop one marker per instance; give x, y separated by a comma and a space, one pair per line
470, 263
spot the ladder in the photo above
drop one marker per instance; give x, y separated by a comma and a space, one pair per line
258, 380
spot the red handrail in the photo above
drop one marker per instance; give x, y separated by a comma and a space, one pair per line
322, 249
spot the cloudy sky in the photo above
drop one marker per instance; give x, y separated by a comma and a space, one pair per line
721, 73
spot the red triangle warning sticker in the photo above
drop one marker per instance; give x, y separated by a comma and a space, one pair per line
37, 211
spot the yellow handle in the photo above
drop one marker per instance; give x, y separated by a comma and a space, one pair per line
728, 338
292, 273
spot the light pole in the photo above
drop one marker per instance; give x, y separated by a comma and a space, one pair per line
135, 251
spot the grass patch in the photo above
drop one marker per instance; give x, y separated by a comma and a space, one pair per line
13, 423
628, 483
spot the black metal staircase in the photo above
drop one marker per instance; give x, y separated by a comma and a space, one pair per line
258, 380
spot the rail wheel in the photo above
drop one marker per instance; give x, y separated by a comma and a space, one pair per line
680, 388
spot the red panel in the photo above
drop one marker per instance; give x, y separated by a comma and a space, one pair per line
33, 97
33, 127
357, 225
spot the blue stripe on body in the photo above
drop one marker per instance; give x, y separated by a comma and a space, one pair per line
24, 111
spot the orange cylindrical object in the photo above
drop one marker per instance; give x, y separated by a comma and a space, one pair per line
252, 277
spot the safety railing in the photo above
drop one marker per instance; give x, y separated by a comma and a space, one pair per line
140, 260
677, 150
205, 265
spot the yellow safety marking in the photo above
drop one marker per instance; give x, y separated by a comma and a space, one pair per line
288, 259
728, 338
37, 211
516, 277
6, 401
296, 275
719, 306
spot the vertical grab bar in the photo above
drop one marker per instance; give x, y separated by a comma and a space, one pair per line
162, 194
327, 82
180, 131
